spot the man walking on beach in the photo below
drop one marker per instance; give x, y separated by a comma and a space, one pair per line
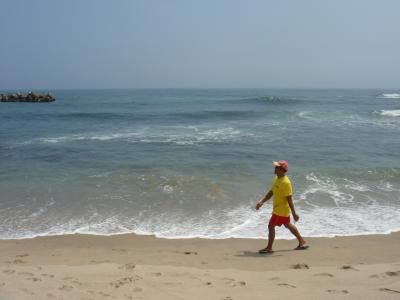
283, 204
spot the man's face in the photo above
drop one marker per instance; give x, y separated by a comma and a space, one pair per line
279, 171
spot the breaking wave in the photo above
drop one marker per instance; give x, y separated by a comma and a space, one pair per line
189, 135
390, 113
390, 96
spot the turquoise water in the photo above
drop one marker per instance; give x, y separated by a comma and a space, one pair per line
193, 163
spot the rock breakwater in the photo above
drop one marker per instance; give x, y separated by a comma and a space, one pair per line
29, 97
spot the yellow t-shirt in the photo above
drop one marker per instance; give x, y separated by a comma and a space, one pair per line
281, 188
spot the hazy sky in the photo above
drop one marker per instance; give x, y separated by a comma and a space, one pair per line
181, 44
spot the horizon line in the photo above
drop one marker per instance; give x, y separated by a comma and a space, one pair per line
199, 88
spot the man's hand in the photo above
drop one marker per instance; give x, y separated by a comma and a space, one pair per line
296, 217
265, 199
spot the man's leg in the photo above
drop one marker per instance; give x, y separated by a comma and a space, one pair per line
296, 233
271, 236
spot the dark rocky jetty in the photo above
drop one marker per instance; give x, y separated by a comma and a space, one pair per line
30, 97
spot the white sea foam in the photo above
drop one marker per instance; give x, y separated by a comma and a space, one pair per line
305, 115
42, 209
338, 119
391, 113
100, 175
390, 96
168, 189
240, 222
386, 186
192, 135
325, 186
352, 185
345, 214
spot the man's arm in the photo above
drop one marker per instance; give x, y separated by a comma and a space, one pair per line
290, 201
263, 200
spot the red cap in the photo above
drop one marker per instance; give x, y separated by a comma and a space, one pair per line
282, 163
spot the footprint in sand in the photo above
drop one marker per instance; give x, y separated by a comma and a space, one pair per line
348, 267
119, 250
129, 267
69, 278
106, 295
389, 290
17, 262
124, 281
324, 274
338, 291
383, 275
274, 278
72, 280
390, 273
47, 275
300, 266
229, 281
66, 288
25, 274
9, 272
30, 276
22, 255
34, 279
76, 282
232, 282
99, 261
28, 291
287, 285
190, 252
173, 283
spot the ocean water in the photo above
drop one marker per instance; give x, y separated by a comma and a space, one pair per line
194, 162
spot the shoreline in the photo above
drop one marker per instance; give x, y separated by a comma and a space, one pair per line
132, 266
177, 238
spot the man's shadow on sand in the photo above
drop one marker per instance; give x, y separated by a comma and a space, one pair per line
255, 254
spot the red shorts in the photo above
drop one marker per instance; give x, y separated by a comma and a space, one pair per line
278, 220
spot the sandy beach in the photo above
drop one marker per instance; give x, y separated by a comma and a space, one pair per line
147, 146
145, 267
